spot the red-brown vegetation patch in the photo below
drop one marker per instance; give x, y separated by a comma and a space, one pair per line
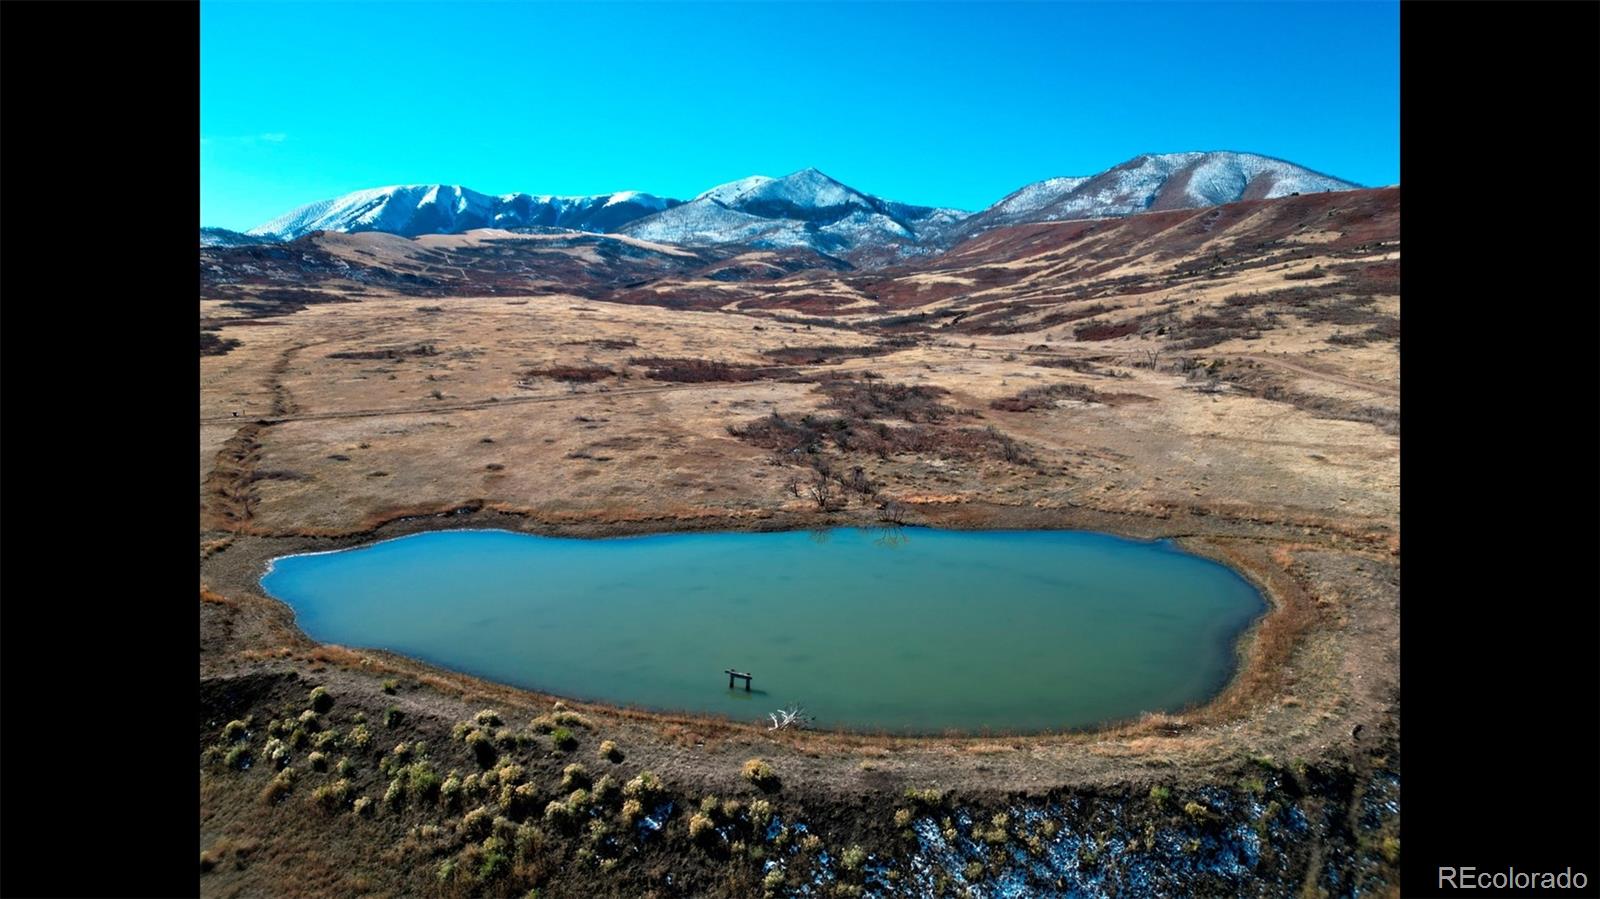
573, 374
1105, 330
693, 371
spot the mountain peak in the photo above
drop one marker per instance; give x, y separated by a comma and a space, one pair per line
413, 209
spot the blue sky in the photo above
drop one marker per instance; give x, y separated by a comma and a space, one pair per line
938, 104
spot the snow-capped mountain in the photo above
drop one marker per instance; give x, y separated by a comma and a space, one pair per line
1151, 183
410, 210
803, 209
222, 237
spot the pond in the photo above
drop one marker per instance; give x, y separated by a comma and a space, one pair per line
904, 630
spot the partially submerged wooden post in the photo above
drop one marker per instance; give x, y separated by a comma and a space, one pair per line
733, 674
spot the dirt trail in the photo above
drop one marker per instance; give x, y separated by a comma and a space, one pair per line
1356, 383
520, 400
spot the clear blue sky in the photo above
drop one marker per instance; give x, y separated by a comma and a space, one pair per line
938, 104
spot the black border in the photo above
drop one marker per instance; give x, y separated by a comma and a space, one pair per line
98, 683
1499, 484
1501, 687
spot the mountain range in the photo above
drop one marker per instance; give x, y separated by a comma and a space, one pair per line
805, 209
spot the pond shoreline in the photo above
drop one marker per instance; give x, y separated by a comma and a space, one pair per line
239, 564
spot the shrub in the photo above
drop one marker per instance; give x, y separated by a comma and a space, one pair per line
363, 807
277, 752
328, 739
390, 686
359, 737
571, 719
487, 718
494, 862
710, 804
574, 775
928, 797
345, 768
446, 871
392, 717
760, 811
477, 822
731, 809
310, 721
318, 761
511, 774
332, 796
234, 731
395, 794
321, 699
606, 790
559, 814
902, 817
422, 782
1159, 795
280, 786
760, 773
239, 756
973, 871
853, 858
701, 828
483, 748
773, 882
609, 751
1196, 811
563, 739
643, 788
1391, 850
632, 810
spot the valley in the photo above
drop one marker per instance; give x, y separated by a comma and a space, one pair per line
1221, 371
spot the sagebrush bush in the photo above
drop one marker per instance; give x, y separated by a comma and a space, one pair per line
902, 817
239, 756
321, 699
363, 806
310, 721
234, 730
632, 810
477, 822
333, 796
359, 738
483, 748
493, 861
558, 813
853, 858
606, 790
487, 718
644, 787
563, 739
574, 775
760, 773
318, 761
276, 752
609, 751
760, 812
701, 827
280, 786
392, 717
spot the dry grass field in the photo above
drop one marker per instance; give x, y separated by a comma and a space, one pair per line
1228, 377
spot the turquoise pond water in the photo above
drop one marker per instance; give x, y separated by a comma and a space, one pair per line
902, 630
